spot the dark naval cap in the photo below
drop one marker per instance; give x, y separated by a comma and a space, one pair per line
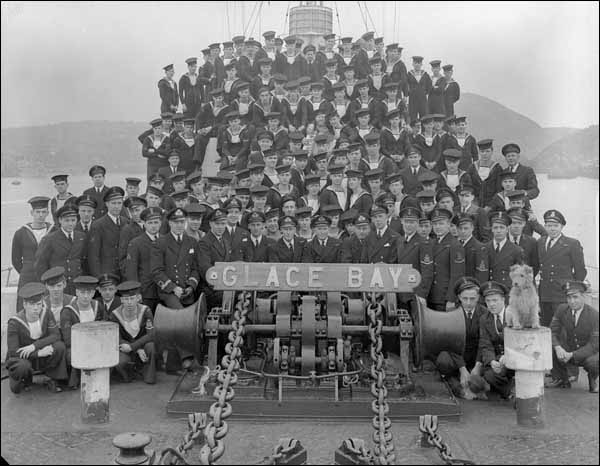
440, 214
39, 202
217, 215
129, 288
362, 219
500, 217
256, 217
320, 220
492, 287
575, 286
485, 144
288, 221
511, 148
554, 216
151, 213
53, 276
59, 178
410, 213
107, 279
85, 282
132, 201
180, 195
115, 192
133, 181
67, 210
32, 292
516, 213
97, 169
176, 214
466, 283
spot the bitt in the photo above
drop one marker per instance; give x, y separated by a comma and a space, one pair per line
529, 353
94, 350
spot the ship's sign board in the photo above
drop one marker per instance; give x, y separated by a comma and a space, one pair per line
399, 278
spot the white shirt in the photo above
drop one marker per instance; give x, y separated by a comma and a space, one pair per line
86, 316
256, 240
35, 329
113, 218
577, 314
502, 243
152, 237
553, 241
409, 237
131, 326
68, 235
382, 231
499, 317
514, 169
177, 237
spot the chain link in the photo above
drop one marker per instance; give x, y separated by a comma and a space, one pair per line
176, 456
221, 409
382, 437
435, 440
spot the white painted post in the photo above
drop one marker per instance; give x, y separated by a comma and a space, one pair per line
94, 350
529, 353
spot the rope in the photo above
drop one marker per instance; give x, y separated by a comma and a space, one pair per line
228, 22
250, 19
258, 14
369, 16
287, 12
395, 23
362, 15
337, 13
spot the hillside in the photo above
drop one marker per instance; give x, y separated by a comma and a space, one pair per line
489, 119
572, 155
71, 146
77, 146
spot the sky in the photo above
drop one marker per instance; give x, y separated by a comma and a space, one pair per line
73, 61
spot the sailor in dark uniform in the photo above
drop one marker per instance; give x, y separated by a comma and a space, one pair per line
136, 333
62, 197
135, 205
137, 266
56, 298
435, 101
63, 247
466, 196
414, 250
518, 199
191, 89
502, 254
491, 340
574, 337
288, 248
234, 233
484, 172
322, 248
448, 262
457, 368
561, 259
108, 300
476, 254
26, 241
419, 84
527, 243
33, 341
81, 310
381, 243
169, 97
213, 247
103, 249
451, 90
97, 173
525, 176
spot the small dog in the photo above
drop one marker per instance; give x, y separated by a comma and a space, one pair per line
523, 303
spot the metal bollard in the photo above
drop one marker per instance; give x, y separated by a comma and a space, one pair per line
352, 451
529, 353
288, 451
131, 447
94, 350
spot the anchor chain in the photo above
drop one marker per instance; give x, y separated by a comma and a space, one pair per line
177, 455
220, 410
382, 437
428, 426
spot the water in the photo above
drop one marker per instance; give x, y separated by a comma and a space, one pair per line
576, 198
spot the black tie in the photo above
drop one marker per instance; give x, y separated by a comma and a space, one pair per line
462, 242
498, 324
573, 314
497, 248
179, 239
516, 241
550, 244
118, 221
414, 171
85, 228
470, 315
70, 237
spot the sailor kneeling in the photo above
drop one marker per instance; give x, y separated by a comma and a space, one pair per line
34, 342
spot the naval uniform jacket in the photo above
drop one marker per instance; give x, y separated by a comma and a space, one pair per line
470, 153
103, 248
70, 316
54, 204
412, 185
279, 251
394, 144
448, 267
56, 250
174, 264
476, 260
169, 96
103, 311
362, 204
563, 261
382, 249
352, 250
236, 240
526, 180
472, 327
24, 247
248, 252
138, 267
331, 253
501, 262
156, 156
530, 252
18, 334
129, 232
580, 339
145, 321
210, 250
329, 196
418, 89
99, 198
481, 227
451, 96
491, 342
418, 252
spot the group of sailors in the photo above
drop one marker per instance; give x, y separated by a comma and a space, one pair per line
325, 157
